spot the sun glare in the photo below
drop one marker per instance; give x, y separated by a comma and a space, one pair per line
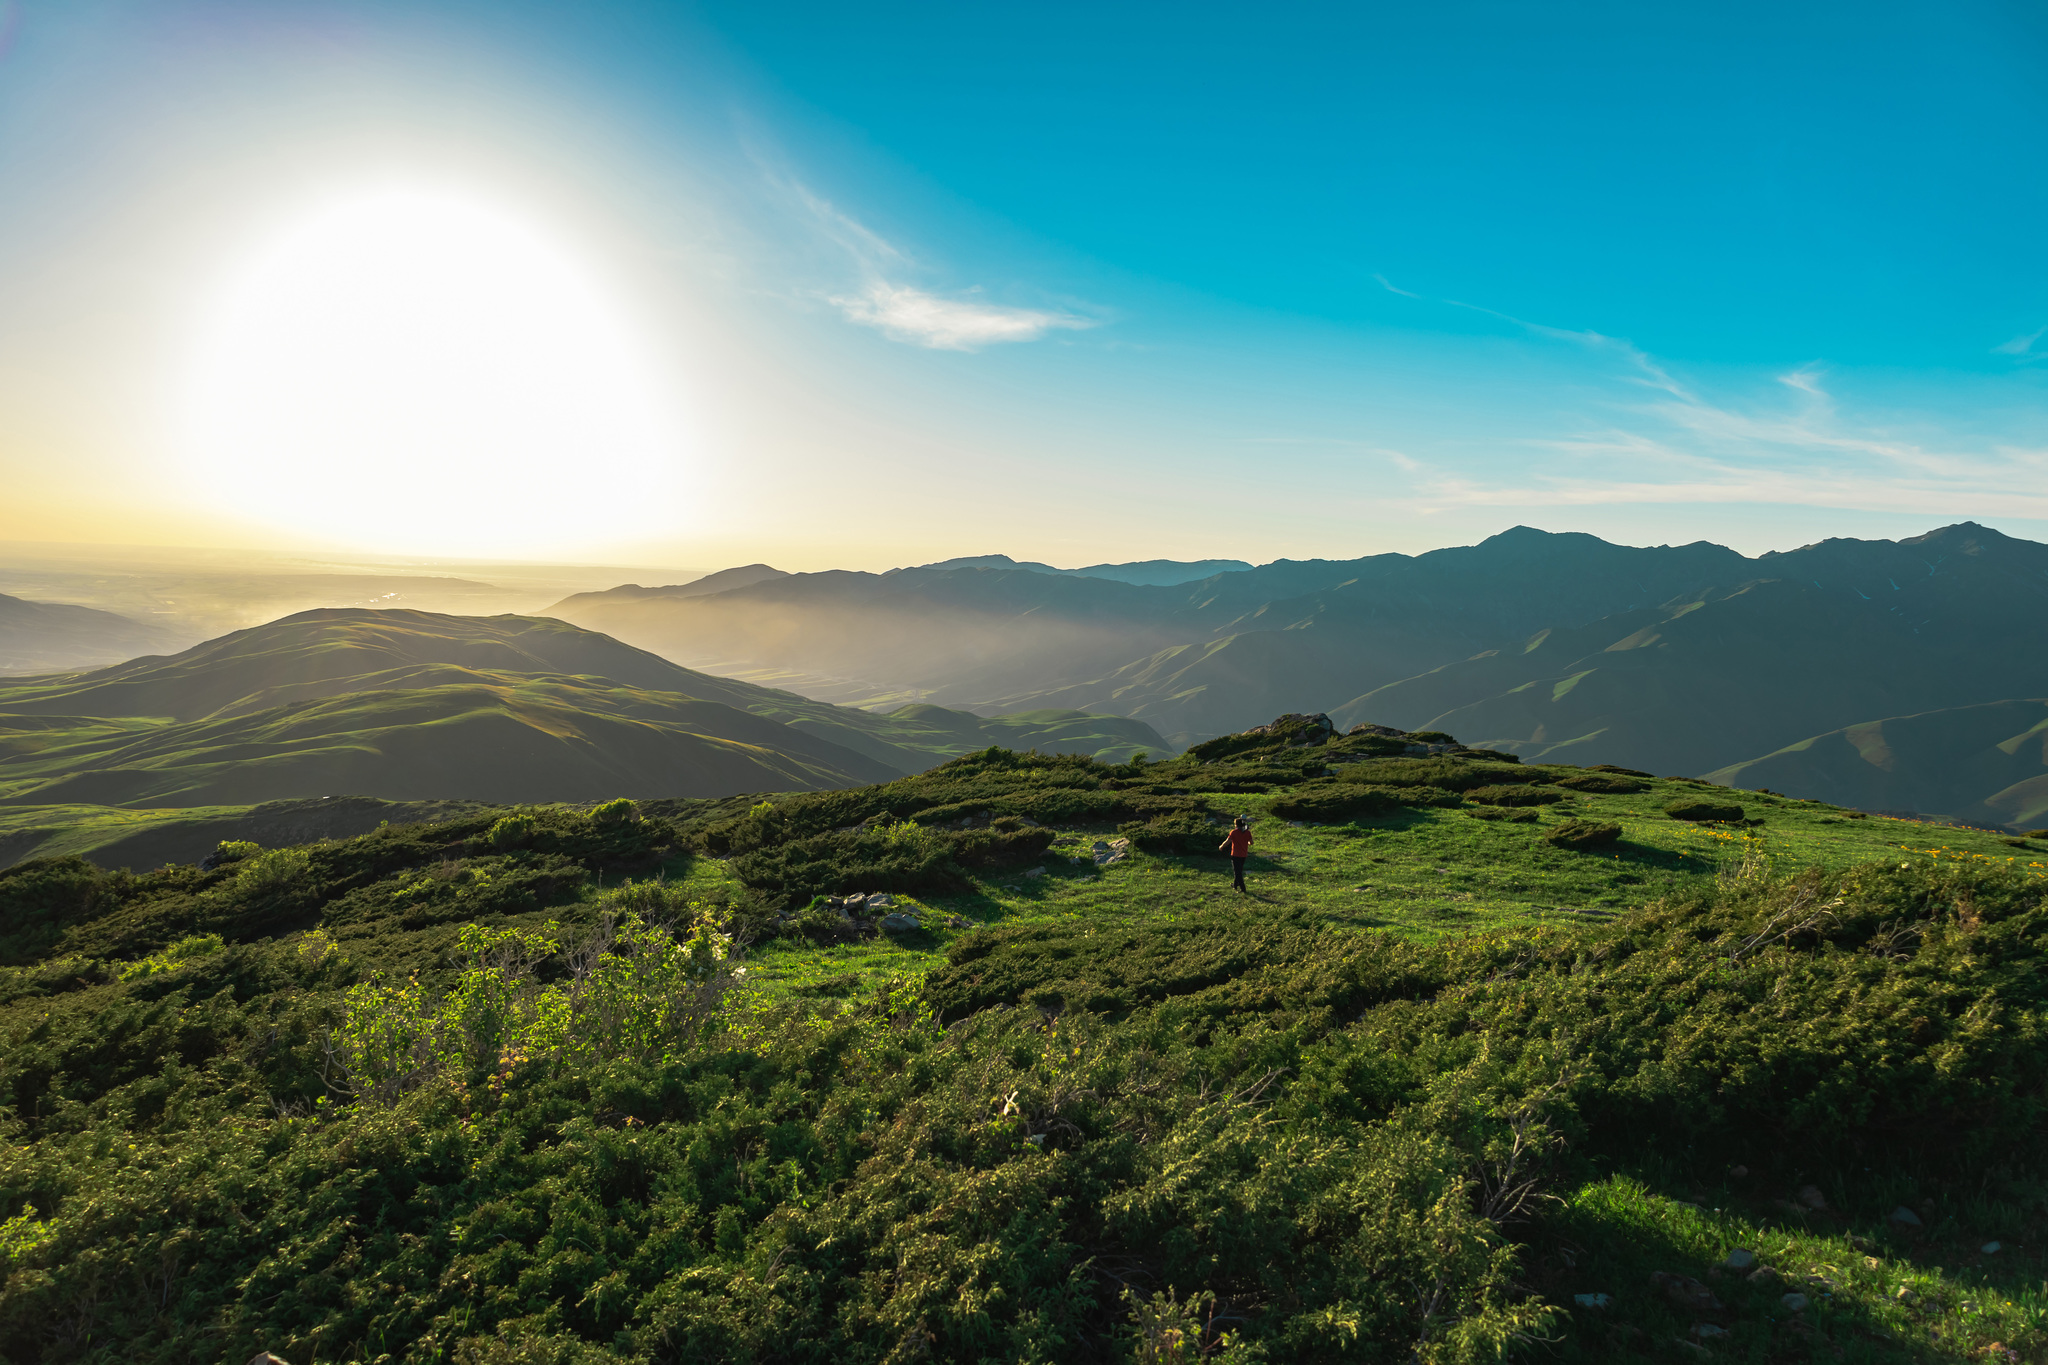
416, 371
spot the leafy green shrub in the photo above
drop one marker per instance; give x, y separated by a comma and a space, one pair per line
1603, 784
235, 850
513, 831
1704, 812
1583, 834
622, 811
1333, 804
1513, 817
1430, 737
1183, 831
43, 898
1621, 772
1446, 772
1513, 796
272, 869
173, 957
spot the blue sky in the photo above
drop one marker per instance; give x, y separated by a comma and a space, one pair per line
1084, 282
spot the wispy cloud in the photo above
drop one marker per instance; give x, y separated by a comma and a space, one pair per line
885, 301
2021, 345
1682, 445
924, 319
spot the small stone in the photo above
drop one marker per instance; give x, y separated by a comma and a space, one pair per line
1686, 1292
901, 922
1035, 872
1763, 1274
1794, 1302
1905, 1294
1707, 1331
1595, 1301
1738, 1171
1811, 1196
1991, 1248
1693, 1348
1905, 1216
878, 900
1740, 1259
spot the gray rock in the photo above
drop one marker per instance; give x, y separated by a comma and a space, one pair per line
1707, 1331
1794, 1302
1811, 1196
1740, 1259
1992, 1248
901, 922
1905, 1216
1592, 1300
1035, 872
879, 900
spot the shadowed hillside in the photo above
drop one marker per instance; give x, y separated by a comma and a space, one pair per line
40, 637
412, 705
1981, 764
1678, 658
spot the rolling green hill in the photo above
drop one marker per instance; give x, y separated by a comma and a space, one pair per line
415, 706
1982, 764
1492, 1054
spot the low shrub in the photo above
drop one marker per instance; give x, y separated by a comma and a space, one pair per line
1513, 817
1583, 834
622, 811
511, 832
1513, 796
1601, 784
1704, 812
273, 869
1185, 831
1333, 804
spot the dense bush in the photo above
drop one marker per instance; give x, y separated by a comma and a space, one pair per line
1604, 784
1583, 834
1705, 812
1513, 796
362, 1114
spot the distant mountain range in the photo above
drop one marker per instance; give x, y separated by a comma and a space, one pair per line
1681, 659
38, 637
411, 705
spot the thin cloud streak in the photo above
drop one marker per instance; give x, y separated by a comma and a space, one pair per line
903, 313
1760, 452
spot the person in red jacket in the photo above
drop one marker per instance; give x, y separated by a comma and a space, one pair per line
1238, 844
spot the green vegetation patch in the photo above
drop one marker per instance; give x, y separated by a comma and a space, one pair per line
533, 1084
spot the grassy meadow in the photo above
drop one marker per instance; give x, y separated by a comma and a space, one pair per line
1492, 1059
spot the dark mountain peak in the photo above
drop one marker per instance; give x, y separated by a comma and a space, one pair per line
1964, 537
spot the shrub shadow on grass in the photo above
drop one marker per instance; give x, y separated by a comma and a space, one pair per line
1613, 1237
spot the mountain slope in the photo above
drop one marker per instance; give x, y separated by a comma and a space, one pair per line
414, 705
1984, 764
42, 637
1951, 619
1005, 638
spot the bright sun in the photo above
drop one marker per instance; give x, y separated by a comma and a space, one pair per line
411, 370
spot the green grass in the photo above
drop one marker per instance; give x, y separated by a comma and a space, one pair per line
1420, 873
1610, 1236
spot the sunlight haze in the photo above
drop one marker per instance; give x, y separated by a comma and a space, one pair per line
712, 284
